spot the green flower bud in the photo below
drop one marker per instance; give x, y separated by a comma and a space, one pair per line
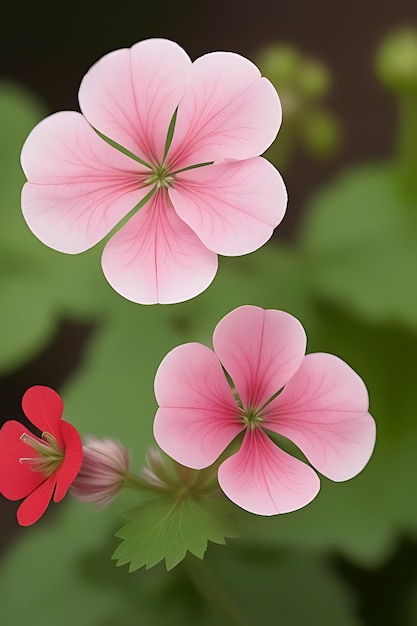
396, 62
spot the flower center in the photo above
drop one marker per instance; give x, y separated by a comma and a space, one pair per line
251, 417
50, 455
160, 177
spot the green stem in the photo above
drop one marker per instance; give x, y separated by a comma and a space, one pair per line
136, 482
407, 144
211, 592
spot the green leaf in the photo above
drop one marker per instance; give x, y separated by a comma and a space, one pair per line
60, 572
20, 111
26, 319
271, 277
111, 394
168, 528
359, 242
288, 586
40, 575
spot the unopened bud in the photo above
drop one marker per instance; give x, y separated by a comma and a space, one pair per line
103, 471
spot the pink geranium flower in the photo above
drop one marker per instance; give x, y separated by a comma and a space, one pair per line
38, 468
185, 139
317, 401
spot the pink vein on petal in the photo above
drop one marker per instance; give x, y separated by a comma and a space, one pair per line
323, 409
198, 415
130, 95
228, 112
79, 187
156, 257
263, 479
261, 350
232, 206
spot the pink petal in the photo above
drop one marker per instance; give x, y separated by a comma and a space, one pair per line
323, 409
36, 503
130, 95
263, 479
228, 112
233, 206
44, 408
261, 350
198, 415
17, 480
156, 257
79, 186
70, 466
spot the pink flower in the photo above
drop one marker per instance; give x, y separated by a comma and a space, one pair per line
103, 471
316, 401
34, 468
184, 144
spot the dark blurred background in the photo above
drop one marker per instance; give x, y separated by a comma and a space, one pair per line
48, 47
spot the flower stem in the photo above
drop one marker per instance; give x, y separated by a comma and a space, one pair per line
211, 592
136, 482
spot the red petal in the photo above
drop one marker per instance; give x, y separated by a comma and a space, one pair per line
71, 464
36, 503
44, 407
17, 480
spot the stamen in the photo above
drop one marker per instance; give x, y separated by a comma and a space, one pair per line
251, 417
160, 178
37, 444
50, 455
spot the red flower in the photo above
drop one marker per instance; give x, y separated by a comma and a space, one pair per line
34, 468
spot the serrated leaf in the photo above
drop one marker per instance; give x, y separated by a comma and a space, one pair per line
167, 528
60, 572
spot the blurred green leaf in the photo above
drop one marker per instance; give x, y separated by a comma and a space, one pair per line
271, 277
291, 587
38, 286
168, 528
111, 394
61, 572
41, 578
359, 242
20, 111
25, 319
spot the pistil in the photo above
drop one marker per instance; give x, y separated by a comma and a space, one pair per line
160, 178
251, 417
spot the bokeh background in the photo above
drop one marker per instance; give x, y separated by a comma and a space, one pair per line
344, 261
